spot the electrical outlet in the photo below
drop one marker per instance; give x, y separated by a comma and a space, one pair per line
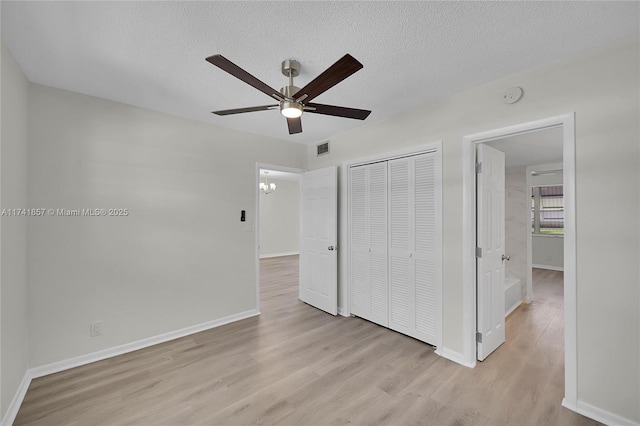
95, 328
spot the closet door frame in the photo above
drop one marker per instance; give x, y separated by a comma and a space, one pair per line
344, 296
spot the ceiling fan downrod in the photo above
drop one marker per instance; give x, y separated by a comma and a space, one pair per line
290, 108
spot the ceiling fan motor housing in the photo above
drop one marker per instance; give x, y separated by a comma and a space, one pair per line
289, 91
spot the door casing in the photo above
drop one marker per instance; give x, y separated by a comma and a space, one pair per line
567, 121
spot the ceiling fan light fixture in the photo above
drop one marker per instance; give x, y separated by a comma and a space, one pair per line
265, 186
290, 109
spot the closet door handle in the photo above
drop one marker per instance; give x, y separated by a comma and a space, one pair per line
331, 248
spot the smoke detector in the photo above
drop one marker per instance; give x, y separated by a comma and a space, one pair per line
512, 95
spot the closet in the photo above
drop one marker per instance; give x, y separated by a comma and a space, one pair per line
395, 237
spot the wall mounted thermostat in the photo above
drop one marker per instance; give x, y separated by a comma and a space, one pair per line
242, 216
512, 95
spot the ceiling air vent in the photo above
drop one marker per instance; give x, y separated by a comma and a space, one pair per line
323, 148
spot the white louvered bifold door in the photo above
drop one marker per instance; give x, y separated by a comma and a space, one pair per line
368, 242
400, 271
415, 247
427, 249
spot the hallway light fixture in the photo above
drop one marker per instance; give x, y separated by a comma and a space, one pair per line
265, 186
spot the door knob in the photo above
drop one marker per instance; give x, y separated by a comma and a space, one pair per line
331, 248
505, 257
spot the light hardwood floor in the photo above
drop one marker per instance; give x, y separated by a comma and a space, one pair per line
295, 365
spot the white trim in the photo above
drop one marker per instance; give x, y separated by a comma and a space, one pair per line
66, 364
386, 156
570, 262
515, 306
599, 414
508, 285
343, 255
56, 367
455, 357
469, 143
256, 227
549, 267
289, 253
16, 402
342, 312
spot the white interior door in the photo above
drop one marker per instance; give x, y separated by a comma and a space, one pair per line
318, 239
490, 195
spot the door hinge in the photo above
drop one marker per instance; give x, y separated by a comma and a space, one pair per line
478, 337
478, 252
478, 167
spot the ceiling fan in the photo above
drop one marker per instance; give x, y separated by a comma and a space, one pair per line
293, 101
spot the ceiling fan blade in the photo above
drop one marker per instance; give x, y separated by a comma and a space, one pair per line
228, 66
295, 125
333, 75
338, 111
241, 110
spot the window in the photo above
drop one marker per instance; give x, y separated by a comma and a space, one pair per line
547, 210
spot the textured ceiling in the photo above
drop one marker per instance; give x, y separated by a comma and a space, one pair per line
152, 54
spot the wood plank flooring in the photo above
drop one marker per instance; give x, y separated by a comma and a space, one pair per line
296, 365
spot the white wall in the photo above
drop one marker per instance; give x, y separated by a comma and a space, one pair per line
601, 86
13, 276
280, 219
516, 224
180, 258
547, 252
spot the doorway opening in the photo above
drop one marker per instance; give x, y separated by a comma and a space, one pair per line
564, 125
277, 226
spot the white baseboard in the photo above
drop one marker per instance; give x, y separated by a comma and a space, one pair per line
288, 253
549, 267
599, 414
66, 364
512, 308
16, 402
455, 357
55, 367
569, 405
343, 312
